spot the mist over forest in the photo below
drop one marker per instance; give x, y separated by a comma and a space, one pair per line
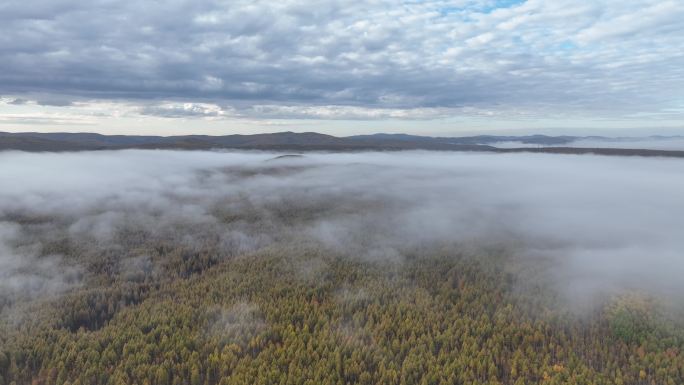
574, 235
254, 192
604, 223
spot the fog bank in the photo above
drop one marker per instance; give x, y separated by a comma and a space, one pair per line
648, 143
601, 224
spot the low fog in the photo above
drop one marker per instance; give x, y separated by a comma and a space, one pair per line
652, 143
665, 143
594, 224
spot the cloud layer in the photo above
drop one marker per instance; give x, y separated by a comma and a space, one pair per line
337, 59
595, 224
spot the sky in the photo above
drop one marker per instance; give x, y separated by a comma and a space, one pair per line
343, 67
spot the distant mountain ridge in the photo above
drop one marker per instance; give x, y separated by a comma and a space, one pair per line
309, 141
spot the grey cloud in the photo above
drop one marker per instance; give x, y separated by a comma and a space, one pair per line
54, 102
50, 101
18, 101
559, 54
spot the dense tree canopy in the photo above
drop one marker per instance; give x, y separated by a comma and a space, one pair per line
300, 315
243, 294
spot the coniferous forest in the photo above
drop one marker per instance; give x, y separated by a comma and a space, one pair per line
281, 276
341, 192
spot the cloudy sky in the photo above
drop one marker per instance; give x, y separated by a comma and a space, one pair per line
435, 67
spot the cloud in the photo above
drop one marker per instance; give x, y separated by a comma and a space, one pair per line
644, 20
184, 110
653, 143
345, 112
49, 101
597, 224
237, 324
650, 143
17, 101
44, 119
54, 102
24, 274
610, 58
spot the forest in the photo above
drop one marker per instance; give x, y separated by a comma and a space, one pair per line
234, 268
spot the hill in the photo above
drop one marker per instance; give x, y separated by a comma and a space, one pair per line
310, 141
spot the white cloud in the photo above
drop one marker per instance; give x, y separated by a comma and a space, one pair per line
185, 110
346, 112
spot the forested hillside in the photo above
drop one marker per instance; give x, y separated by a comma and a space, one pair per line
281, 276
304, 316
